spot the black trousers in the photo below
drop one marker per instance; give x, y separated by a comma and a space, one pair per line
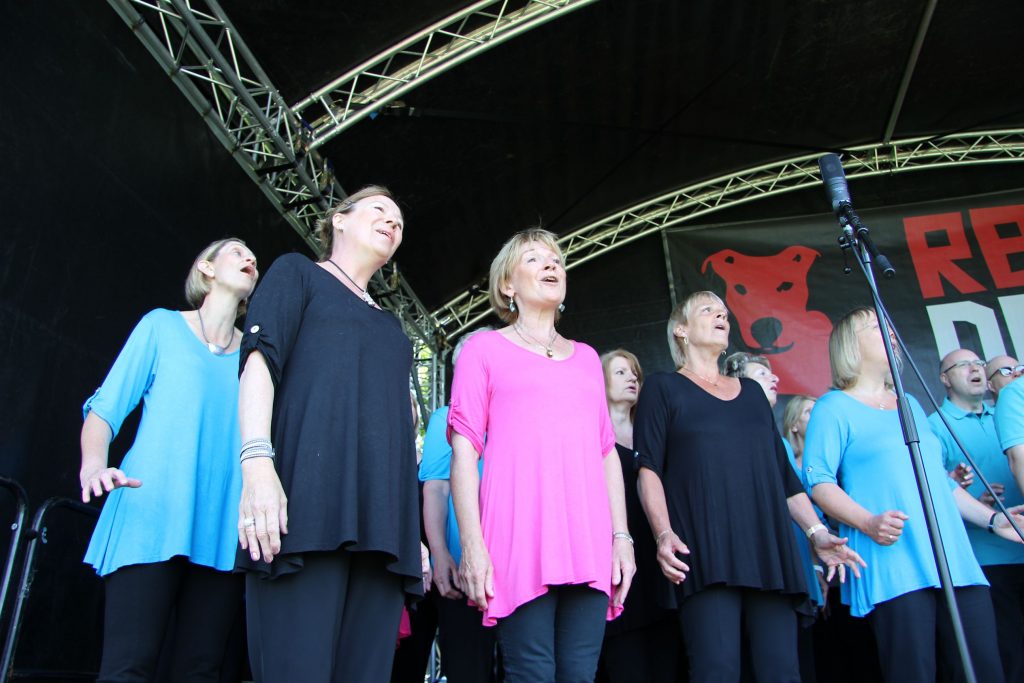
1008, 604
712, 620
650, 654
467, 646
555, 638
413, 652
334, 621
914, 629
141, 600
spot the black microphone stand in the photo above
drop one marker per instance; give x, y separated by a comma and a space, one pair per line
859, 241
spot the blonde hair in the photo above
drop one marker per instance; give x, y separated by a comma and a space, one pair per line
634, 365
681, 316
736, 363
791, 414
198, 284
505, 262
324, 231
844, 349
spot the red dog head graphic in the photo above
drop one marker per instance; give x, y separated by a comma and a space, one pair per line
768, 297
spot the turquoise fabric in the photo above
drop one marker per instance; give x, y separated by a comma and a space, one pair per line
862, 449
1010, 415
437, 464
185, 451
802, 543
978, 434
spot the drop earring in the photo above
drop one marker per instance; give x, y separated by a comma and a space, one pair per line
511, 305
561, 308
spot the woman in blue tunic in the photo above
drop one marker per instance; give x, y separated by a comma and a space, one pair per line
861, 475
165, 540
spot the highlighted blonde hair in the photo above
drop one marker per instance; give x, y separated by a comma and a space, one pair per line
681, 316
844, 349
198, 285
505, 262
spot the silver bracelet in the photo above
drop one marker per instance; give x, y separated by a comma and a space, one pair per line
622, 534
256, 448
815, 529
255, 454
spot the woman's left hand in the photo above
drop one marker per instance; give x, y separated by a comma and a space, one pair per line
1002, 526
623, 569
425, 566
836, 555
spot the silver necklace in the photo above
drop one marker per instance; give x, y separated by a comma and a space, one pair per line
215, 349
549, 348
362, 292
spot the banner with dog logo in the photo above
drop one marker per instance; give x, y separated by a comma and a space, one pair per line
959, 282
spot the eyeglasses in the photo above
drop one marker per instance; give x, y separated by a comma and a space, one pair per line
976, 363
1008, 370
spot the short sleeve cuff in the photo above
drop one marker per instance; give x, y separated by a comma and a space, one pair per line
255, 338
90, 406
646, 462
458, 424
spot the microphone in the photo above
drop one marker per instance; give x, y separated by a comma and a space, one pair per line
842, 206
835, 185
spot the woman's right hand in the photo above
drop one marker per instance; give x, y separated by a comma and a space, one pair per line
477, 574
669, 546
886, 527
263, 510
104, 479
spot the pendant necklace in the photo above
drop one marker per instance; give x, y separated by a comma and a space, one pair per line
699, 376
215, 349
549, 348
362, 292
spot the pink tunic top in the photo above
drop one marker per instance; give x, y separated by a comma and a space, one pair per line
543, 498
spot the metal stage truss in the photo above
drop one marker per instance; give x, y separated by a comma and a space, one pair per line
415, 60
699, 200
197, 46
201, 51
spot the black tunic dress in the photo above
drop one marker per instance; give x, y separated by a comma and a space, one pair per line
726, 478
342, 421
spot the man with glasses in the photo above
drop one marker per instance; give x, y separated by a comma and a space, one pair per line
1000, 371
963, 375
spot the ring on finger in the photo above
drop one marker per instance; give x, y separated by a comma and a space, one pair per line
249, 522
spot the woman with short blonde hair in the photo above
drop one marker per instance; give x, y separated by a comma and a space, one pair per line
545, 543
713, 471
164, 541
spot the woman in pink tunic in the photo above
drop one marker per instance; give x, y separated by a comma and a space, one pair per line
546, 552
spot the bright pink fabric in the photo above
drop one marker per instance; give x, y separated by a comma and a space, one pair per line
543, 498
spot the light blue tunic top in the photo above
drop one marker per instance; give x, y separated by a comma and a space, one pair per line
185, 451
862, 449
1010, 415
802, 542
978, 434
437, 464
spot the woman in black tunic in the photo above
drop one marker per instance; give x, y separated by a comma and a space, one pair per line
329, 527
713, 471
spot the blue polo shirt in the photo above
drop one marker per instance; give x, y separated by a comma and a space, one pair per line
1010, 415
977, 431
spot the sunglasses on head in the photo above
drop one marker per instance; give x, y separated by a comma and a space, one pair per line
1008, 370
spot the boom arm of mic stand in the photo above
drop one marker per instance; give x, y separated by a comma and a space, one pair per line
909, 426
847, 215
999, 505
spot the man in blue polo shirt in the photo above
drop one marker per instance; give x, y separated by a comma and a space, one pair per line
963, 375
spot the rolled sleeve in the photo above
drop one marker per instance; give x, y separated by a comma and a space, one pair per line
823, 447
130, 377
470, 404
650, 429
275, 315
